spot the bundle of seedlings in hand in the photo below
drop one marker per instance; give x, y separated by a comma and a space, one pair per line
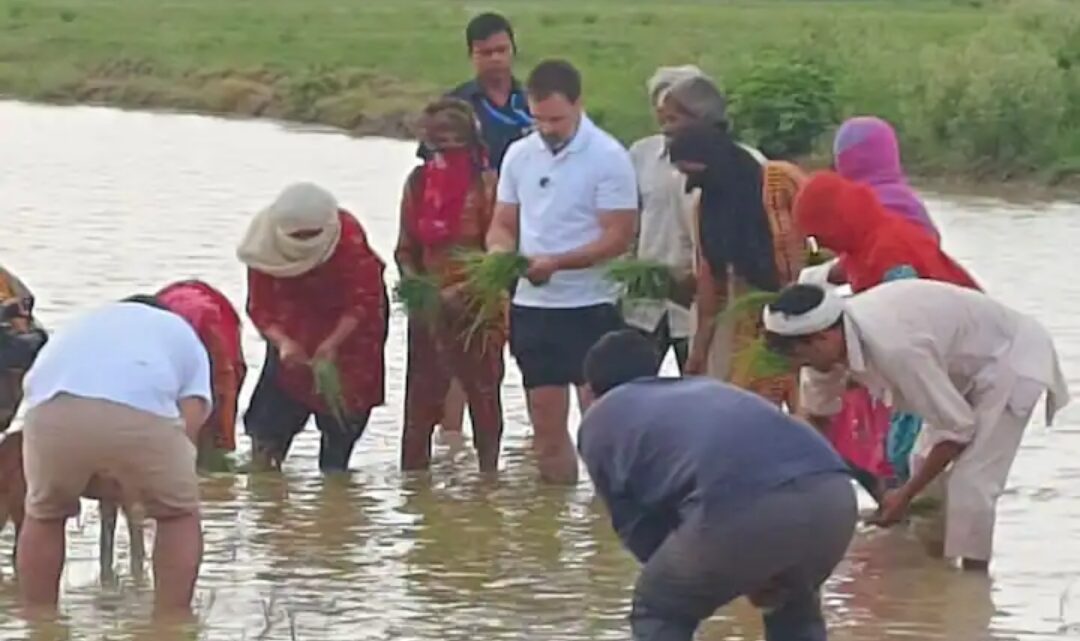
418, 294
488, 278
328, 386
642, 279
754, 360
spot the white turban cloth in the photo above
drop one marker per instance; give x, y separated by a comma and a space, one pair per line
270, 248
818, 319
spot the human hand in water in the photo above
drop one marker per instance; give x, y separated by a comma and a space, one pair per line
892, 509
541, 269
292, 354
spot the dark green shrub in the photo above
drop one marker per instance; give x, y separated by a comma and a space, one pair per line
996, 102
782, 105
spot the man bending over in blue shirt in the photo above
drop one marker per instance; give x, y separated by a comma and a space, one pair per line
716, 492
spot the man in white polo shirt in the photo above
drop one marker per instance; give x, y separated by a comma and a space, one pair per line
567, 200
119, 394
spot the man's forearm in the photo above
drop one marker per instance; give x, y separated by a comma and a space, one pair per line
936, 461
500, 239
193, 411
345, 326
607, 247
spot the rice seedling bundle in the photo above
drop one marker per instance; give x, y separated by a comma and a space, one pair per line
488, 278
754, 360
642, 279
419, 295
328, 386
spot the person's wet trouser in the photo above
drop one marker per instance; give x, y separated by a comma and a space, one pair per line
274, 418
788, 541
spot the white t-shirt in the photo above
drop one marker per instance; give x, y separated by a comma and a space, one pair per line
127, 353
560, 197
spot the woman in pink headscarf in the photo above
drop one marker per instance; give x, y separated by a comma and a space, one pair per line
866, 150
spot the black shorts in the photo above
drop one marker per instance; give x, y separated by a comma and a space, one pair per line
550, 344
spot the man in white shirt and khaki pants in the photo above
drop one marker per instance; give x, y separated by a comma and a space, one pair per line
119, 394
972, 368
567, 200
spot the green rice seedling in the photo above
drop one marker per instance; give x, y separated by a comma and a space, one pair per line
756, 361
488, 278
751, 303
328, 386
419, 295
642, 279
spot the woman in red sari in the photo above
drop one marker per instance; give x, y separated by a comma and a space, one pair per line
216, 322
315, 293
447, 206
874, 244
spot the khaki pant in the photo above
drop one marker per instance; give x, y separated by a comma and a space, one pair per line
69, 441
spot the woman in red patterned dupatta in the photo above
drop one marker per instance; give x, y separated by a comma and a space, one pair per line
316, 293
447, 206
216, 322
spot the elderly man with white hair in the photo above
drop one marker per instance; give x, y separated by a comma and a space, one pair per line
665, 230
973, 368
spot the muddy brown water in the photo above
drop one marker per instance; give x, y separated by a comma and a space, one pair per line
96, 204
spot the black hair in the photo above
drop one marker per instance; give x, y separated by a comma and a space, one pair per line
618, 358
145, 299
486, 25
795, 300
554, 77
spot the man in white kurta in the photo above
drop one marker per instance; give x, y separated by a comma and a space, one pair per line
973, 368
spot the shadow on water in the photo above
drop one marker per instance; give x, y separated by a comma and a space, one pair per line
99, 203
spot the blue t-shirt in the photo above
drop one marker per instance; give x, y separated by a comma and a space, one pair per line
658, 448
500, 125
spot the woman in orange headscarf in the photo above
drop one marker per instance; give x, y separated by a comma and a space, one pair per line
746, 240
874, 244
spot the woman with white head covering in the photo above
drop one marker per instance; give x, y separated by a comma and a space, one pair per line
316, 294
665, 233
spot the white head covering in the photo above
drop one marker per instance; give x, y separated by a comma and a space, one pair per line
267, 247
816, 320
665, 77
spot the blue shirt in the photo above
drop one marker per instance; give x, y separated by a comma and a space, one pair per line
500, 125
560, 197
659, 448
127, 353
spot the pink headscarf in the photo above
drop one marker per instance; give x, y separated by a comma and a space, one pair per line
866, 150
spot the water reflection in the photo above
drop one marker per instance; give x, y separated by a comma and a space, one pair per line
98, 203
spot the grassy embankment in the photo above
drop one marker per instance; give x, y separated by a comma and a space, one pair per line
980, 88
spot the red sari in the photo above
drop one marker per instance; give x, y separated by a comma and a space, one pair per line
307, 308
874, 244
429, 236
218, 327
872, 241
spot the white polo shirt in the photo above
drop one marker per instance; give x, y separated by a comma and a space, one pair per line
127, 353
559, 197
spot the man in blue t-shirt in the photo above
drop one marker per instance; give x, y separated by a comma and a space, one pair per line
716, 492
502, 110
495, 95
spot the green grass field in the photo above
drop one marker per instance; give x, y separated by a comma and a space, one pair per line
367, 65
